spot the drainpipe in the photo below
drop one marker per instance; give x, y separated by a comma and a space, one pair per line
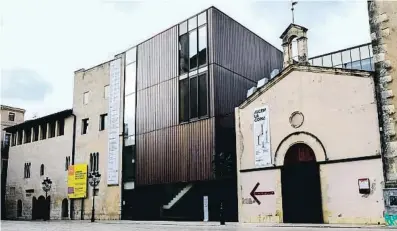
73, 154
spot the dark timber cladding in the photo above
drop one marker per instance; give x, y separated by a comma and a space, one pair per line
236, 48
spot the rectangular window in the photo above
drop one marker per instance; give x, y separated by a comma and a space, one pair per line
203, 94
193, 97
85, 97
11, 116
43, 132
192, 23
35, 133
129, 115
102, 121
106, 92
14, 139
28, 135
84, 126
130, 79
61, 127
184, 54
52, 129
94, 161
26, 168
7, 139
184, 100
193, 49
183, 28
67, 163
130, 56
202, 18
202, 48
20, 133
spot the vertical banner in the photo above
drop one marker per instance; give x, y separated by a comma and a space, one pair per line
262, 137
205, 204
114, 122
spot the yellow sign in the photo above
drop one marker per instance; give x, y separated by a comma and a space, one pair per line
77, 181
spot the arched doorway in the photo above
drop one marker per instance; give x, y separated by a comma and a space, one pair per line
42, 208
65, 208
301, 188
19, 208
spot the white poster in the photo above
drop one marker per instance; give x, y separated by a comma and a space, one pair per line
205, 204
263, 156
114, 122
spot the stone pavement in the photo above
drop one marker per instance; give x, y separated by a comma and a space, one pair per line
164, 226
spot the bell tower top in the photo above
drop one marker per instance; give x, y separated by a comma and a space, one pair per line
299, 32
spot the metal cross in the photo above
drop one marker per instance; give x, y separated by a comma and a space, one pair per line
293, 3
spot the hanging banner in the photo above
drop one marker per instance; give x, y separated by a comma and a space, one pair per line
114, 122
263, 156
77, 181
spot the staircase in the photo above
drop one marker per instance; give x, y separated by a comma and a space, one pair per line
178, 197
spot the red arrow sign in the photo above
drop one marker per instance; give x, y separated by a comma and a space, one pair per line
254, 193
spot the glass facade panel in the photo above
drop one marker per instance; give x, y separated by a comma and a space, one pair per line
327, 61
203, 94
202, 18
364, 52
192, 23
317, 62
356, 65
129, 115
184, 54
355, 53
346, 57
336, 59
184, 100
193, 49
130, 79
193, 97
130, 56
183, 28
202, 52
366, 64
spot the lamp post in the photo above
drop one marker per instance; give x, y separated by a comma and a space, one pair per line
46, 184
94, 177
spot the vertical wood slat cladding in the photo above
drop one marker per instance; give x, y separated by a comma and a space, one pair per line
238, 49
230, 90
180, 153
158, 59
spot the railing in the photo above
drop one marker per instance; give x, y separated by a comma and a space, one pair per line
358, 57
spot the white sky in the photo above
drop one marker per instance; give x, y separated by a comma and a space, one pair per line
43, 42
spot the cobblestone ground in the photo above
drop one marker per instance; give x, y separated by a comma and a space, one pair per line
163, 226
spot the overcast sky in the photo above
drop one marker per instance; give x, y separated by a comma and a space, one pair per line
44, 42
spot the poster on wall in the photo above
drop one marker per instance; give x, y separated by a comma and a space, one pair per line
261, 126
114, 122
77, 181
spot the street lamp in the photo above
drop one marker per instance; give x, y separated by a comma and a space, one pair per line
94, 177
46, 184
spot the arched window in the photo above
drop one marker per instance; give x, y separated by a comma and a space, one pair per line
42, 170
65, 207
19, 208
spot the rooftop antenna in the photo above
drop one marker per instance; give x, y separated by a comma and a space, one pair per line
293, 3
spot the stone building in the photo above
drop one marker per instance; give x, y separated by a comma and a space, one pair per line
383, 26
308, 145
39, 148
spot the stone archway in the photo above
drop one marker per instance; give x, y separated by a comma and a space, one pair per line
300, 184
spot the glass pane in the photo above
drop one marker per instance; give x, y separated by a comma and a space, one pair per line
130, 78
193, 49
327, 61
356, 65
203, 94
192, 23
193, 97
129, 115
202, 46
184, 100
370, 51
346, 57
317, 62
183, 54
364, 52
182, 28
202, 18
130, 56
366, 64
355, 54
130, 140
336, 59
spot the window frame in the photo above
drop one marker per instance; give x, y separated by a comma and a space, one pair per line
88, 96
42, 171
103, 121
10, 113
84, 130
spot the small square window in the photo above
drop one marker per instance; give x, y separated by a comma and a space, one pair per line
192, 23
106, 92
11, 116
85, 97
102, 122
84, 126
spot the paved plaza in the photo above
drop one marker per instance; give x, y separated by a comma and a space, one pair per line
163, 226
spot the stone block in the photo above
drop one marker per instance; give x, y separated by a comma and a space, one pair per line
379, 57
386, 79
389, 109
387, 94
